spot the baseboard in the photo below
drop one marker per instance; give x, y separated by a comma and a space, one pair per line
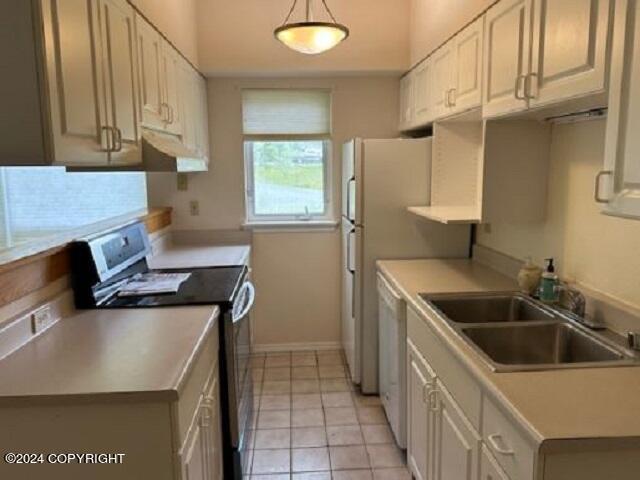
295, 347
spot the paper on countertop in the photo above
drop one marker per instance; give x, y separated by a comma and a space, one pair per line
153, 283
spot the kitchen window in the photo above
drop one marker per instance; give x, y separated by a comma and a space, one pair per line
287, 151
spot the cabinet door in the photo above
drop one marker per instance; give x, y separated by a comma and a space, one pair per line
170, 76
569, 50
73, 53
420, 418
466, 92
506, 57
422, 98
153, 112
189, 106
121, 84
489, 468
442, 62
202, 127
621, 191
193, 455
213, 442
456, 446
406, 101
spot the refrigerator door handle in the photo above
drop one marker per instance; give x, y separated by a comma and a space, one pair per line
351, 270
348, 212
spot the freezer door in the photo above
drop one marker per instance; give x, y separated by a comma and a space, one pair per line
350, 291
351, 154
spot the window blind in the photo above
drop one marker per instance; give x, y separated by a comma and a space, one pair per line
286, 112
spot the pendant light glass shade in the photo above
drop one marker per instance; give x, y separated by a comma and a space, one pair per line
311, 37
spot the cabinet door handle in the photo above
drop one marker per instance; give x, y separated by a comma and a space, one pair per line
528, 83
452, 103
446, 98
164, 112
205, 417
426, 390
517, 87
432, 399
118, 137
596, 192
493, 441
109, 138
171, 117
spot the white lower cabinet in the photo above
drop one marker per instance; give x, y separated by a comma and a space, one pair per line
193, 455
456, 445
442, 444
200, 456
420, 427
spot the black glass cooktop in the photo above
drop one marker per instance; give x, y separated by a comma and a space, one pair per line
205, 286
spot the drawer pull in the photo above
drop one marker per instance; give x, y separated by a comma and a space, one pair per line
493, 441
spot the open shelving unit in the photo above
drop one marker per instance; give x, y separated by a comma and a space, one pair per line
483, 170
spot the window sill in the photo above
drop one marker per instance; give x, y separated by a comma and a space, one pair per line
294, 226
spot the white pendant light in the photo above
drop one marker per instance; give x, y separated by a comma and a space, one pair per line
311, 37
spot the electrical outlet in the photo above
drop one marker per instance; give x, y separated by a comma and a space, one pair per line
41, 319
194, 208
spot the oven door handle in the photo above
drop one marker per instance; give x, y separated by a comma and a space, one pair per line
251, 298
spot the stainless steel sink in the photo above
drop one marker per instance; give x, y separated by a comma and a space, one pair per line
512, 332
489, 308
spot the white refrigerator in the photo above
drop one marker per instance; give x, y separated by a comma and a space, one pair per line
380, 179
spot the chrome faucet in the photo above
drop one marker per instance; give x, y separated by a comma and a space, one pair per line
572, 299
574, 304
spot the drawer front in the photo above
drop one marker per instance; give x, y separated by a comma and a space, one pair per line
512, 450
195, 385
453, 375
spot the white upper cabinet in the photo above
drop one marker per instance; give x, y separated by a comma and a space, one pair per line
171, 91
442, 62
154, 113
506, 56
618, 186
569, 49
406, 101
423, 111
81, 135
121, 82
466, 92
544, 52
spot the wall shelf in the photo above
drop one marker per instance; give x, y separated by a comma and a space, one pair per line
448, 215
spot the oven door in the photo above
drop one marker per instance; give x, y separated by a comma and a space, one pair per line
238, 342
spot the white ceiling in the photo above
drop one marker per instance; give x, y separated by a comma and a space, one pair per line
235, 37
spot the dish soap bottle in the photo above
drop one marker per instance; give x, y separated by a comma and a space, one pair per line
529, 277
549, 283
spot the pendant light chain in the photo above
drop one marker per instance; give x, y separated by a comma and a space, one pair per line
308, 10
293, 7
329, 11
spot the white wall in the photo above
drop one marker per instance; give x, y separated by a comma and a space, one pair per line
236, 38
297, 274
598, 251
176, 19
434, 21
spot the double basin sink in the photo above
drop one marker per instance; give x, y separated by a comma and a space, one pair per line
513, 332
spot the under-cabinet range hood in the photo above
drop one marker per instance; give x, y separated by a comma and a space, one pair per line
162, 152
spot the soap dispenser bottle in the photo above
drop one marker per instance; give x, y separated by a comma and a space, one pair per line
549, 283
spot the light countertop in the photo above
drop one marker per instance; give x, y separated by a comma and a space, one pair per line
94, 355
198, 256
581, 403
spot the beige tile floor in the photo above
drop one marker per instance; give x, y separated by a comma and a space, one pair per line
311, 424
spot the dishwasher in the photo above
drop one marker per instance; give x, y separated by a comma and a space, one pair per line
392, 338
